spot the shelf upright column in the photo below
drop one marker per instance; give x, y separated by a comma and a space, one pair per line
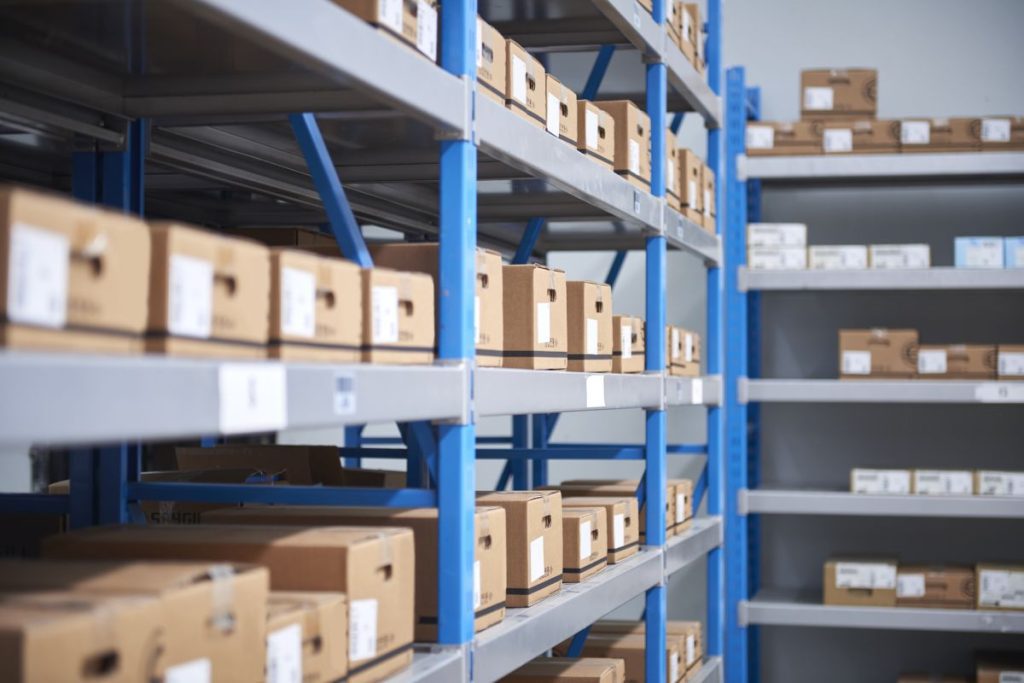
456, 282
655, 448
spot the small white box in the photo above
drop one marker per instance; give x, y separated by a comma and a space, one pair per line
1014, 252
899, 256
777, 258
943, 482
978, 252
995, 483
776, 235
838, 257
889, 482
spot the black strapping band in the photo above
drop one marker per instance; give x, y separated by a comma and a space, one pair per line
431, 621
623, 547
72, 327
587, 568
392, 347
314, 344
164, 334
540, 586
590, 356
534, 354
378, 660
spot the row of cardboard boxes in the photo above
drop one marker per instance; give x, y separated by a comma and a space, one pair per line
934, 482
83, 278
873, 582
898, 354
989, 667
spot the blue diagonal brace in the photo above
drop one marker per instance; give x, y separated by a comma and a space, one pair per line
503, 479
677, 122
529, 241
616, 268
578, 640
597, 72
699, 489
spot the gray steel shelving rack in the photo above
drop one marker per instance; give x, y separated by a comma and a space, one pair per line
235, 112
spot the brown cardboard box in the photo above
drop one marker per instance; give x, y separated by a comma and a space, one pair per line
831, 94
376, 12
309, 630
999, 133
691, 195
316, 308
631, 649
647, 5
209, 295
584, 543
674, 20
1000, 587
682, 509
877, 352
709, 201
491, 63
944, 587
569, 670
693, 9
860, 582
624, 488
692, 648
562, 117
535, 318
1010, 361
212, 612
303, 239
622, 519
766, 138
992, 665
72, 277
533, 542
938, 135
688, 31
489, 569
589, 322
628, 344
867, 137
632, 141
488, 311
956, 361
526, 86
672, 177
596, 133
683, 353
398, 317
374, 568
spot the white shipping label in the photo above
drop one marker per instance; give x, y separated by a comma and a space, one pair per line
253, 398
896, 482
595, 391
915, 132
1011, 364
1000, 483
995, 130
697, 391
476, 585
670, 178
591, 129
680, 508
518, 79
195, 671
856, 363
362, 629
298, 302
190, 297
691, 192
479, 43
554, 108
931, 362
688, 348
389, 14
634, 157
838, 140
284, 655
818, 98
691, 650
910, 585
426, 29
873, 575
536, 558
544, 323
618, 530
344, 393
943, 483
673, 667
1001, 588
687, 25
708, 205
585, 547
591, 337
1011, 677
675, 343
37, 277
626, 341
760, 137
476, 319
984, 253
384, 315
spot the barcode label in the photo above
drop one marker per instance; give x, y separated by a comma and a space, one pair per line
344, 393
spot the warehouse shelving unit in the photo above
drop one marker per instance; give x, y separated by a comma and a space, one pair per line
235, 112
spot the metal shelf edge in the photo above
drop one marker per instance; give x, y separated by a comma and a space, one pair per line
884, 391
921, 279
881, 166
795, 502
681, 550
506, 391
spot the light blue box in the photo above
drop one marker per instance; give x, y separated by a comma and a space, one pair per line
1014, 248
979, 252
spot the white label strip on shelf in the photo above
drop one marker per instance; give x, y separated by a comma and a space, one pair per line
595, 391
344, 393
818, 98
553, 118
931, 362
284, 655
626, 341
585, 547
384, 315
426, 29
194, 671
253, 398
999, 392
476, 585
544, 323
618, 530
518, 79
1011, 676
591, 337
362, 629
298, 302
856, 362
838, 140
910, 585
190, 297
697, 391
37, 277
536, 558
995, 130
873, 575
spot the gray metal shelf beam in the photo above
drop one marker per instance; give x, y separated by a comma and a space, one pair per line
858, 280
880, 391
806, 502
504, 391
894, 167
437, 665
704, 534
684, 234
710, 672
685, 391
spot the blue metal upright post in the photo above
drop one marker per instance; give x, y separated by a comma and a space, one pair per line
456, 287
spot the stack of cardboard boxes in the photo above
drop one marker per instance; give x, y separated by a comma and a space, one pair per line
414, 24
934, 482
690, 188
783, 246
685, 29
682, 352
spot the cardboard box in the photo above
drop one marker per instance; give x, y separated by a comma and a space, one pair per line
632, 141
525, 87
373, 567
1000, 667
1013, 250
398, 317
996, 483
692, 649
837, 257
674, 11
683, 507
776, 235
1000, 587
684, 357
875, 481
691, 195
860, 582
210, 615
595, 133
844, 94
956, 361
978, 252
877, 352
491, 62
697, 28
303, 239
709, 200
631, 650
777, 258
622, 520
569, 670
536, 318
942, 482
534, 543
1010, 361
316, 308
488, 300
589, 321
209, 295
72, 277
398, 19
941, 587
688, 31
672, 176
768, 138
899, 256
624, 488
562, 116
628, 343
952, 135
584, 543
307, 636
1000, 133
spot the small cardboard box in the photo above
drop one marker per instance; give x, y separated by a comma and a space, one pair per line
491, 62
877, 352
899, 256
534, 543
72, 277
777, 258
875, 481
307, 631
691, 185
398, 317
942, 587
569, 670
584, 543
995, 483
683, 352
688, 31
674, 20
525, 87
632, 141
860, 583
783, 139
488, 312
1000, 587
776, 235
303, 239
1000, 133
1010, 361
978, 252
709, 201
682, 509
956, 361
589, 320
672, 177
697, 28
209, 295
596, 133
837, 257
426, 13
397, 18
373, 567
536, 323
942, 482
628, 344
316, 308
830, 94
622, 520
692, 649
952, 135
617, 489
562, 116
489, 572
999, 667
631, 650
